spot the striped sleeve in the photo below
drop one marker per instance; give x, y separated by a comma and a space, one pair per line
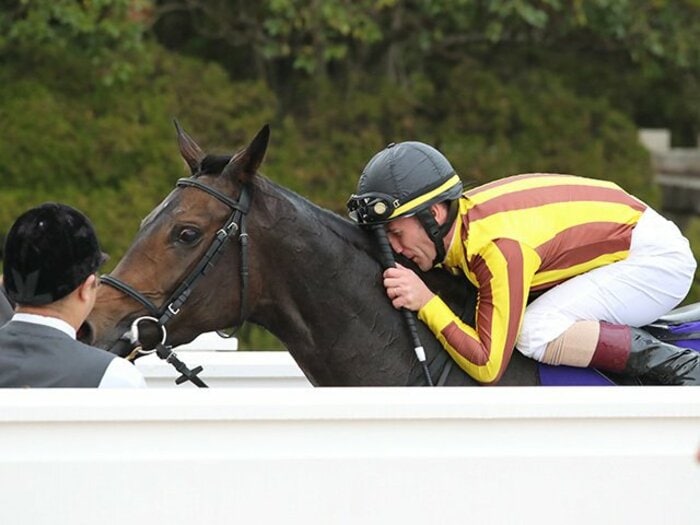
503, 270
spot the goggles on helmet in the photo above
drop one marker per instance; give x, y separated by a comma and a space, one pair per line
371, 208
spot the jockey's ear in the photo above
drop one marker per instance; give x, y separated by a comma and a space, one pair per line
244, 165
440, 211
190, 151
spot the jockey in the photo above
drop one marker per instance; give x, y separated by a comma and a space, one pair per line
599, 262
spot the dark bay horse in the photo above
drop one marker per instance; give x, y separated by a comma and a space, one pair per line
314, 279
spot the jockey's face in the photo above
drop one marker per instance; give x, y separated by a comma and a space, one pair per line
408, 238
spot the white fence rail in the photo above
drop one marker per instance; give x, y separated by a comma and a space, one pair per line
225, 369
225, 366
354, 455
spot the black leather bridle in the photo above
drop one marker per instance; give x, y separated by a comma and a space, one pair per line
234, 225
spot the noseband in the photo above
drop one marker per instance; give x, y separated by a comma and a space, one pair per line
235, 224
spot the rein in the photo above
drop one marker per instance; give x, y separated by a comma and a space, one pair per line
234, 225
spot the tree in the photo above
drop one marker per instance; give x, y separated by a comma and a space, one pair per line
623, 50
108, 33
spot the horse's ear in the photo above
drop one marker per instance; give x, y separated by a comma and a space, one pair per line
244, 164
189, 149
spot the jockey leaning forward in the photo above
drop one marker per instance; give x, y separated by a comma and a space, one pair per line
602, 262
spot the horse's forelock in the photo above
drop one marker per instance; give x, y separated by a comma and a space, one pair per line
210, 165
213, 164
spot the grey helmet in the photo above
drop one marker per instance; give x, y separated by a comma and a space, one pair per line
406, 179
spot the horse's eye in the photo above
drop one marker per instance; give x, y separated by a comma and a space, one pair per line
188, 236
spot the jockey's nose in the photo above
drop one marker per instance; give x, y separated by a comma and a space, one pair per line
395, 244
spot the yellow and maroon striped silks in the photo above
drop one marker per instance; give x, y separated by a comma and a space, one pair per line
522, 234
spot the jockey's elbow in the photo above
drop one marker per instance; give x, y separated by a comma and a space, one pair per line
491, 382
490, 375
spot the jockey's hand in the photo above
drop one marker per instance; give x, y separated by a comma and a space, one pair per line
405, 289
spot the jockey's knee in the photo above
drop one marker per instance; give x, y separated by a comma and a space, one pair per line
531, 343
540, 327
574, 347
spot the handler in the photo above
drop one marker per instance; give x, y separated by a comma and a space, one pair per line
606, 262
51, 256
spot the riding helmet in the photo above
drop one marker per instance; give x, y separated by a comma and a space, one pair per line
401, 180
407, 179
49, 251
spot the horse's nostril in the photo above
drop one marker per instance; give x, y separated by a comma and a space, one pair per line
86, 333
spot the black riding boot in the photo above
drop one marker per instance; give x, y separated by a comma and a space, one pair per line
662, 362
636, 353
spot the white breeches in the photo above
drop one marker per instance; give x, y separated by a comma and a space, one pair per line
652, 280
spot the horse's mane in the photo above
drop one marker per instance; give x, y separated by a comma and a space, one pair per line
341, 227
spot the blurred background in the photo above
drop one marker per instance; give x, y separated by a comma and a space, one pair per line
88, 90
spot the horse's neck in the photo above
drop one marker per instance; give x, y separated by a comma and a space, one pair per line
327, 304
321, 295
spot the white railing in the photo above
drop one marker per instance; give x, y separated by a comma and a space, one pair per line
350, 455
224, 366
226, 369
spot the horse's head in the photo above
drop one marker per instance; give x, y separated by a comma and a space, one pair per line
171, 264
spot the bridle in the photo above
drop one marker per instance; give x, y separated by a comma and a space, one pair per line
234, 225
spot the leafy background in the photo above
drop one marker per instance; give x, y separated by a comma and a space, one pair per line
88, 90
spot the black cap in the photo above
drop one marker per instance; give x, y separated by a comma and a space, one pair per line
49, 251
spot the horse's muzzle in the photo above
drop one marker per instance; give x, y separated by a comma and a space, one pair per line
86, 333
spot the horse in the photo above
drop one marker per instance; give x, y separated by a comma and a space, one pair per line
309, 276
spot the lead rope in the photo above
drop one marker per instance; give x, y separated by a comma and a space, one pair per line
388, 262
169, 356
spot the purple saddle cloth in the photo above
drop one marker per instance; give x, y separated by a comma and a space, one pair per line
571, 376
686, 335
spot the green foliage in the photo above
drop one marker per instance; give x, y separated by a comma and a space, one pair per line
111, 151
530, 121
321, 151
313, 34
495, 128
627, 51
108, 34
